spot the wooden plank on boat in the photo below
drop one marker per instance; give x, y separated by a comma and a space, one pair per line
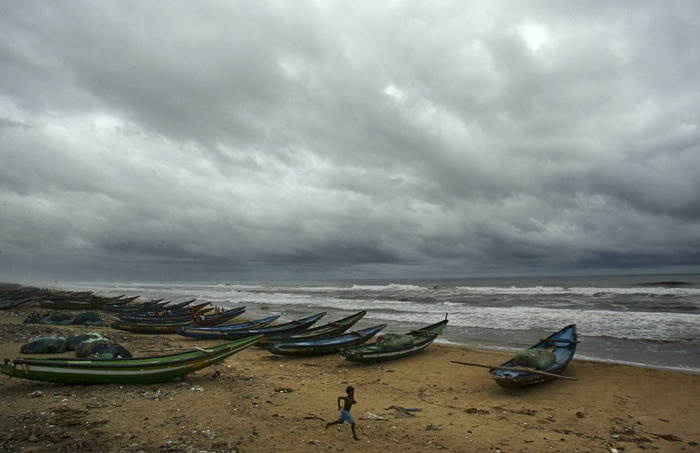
508, 368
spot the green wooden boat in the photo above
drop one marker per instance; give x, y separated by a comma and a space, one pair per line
145, 370
405, 345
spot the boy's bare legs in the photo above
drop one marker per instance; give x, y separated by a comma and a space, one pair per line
329, 424
354, 436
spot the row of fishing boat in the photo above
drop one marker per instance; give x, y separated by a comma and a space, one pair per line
552, 355
300, 337
294, 338
14, 296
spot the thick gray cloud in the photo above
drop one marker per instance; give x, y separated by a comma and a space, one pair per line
196, 140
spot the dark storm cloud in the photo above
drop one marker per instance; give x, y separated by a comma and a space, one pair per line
180, 140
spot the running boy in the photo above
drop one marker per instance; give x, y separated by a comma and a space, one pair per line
345, 416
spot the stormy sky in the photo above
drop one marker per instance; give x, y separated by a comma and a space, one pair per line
197, 140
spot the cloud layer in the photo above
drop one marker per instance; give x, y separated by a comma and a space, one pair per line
224, 140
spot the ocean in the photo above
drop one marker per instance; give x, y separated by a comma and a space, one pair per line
642, 320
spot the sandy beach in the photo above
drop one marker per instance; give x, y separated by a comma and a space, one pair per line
258, 402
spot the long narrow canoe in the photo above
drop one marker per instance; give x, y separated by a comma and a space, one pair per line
152, 306
408, 344
287, 327
171, 327
7, 304
175, 317
92, 302
216, 332
134, 307
146, 370
158, 312
329, 345
564, 342
182, 316
330, 329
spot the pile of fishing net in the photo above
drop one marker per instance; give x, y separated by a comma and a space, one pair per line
535, 358
393, 340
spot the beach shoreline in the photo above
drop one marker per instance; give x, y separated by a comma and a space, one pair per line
256, 402
622, 321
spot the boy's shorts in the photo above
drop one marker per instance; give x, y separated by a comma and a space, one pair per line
346, 417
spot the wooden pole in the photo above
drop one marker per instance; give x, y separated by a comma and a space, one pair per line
506, 368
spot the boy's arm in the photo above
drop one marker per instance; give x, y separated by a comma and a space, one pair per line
340, 398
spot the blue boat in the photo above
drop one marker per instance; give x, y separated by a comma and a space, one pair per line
287, 327
330, 329
563, 343
149, 327
217, 332
328, 345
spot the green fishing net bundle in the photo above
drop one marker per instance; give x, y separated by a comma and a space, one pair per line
535, 358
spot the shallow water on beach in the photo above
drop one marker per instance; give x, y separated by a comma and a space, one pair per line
646, 320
